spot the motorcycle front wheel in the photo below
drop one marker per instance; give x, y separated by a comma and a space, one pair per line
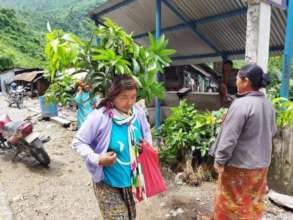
39, 153
19, 102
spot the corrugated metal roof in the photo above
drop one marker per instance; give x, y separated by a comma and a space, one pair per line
107, 5
196, 9
226, 33
139, 16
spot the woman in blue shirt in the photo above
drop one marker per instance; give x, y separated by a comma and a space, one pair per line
85, 104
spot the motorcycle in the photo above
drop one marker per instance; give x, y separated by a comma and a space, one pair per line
19, 136
15, 96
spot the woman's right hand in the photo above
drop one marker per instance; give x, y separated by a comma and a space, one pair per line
107, 159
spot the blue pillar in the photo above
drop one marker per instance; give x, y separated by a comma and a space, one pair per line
288, 52
98, 40
158, 34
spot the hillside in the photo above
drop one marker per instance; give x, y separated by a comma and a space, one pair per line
18, 42
23, 25
69, 15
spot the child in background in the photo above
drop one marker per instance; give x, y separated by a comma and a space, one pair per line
85, 103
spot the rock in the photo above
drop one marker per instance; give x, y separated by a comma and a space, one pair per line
52, 197
176, 212
17, 198
40, 118
180, 211
281, 199
167, 215
45, 139
72, 127
36, 195
62, 121
58, 153
179, 178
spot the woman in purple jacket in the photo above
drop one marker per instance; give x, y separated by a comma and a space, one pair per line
109, 141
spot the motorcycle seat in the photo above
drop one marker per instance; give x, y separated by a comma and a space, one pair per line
4, 119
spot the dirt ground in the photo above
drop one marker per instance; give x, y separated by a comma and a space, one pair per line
64, 191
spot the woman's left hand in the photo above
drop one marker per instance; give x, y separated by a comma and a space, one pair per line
140, 145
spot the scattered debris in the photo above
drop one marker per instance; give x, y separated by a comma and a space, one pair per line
179, 178
176, 212
64, 122
18, 198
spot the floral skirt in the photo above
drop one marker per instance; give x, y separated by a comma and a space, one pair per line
115, 203
240, 194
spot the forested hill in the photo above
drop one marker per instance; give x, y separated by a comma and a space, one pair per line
23, 24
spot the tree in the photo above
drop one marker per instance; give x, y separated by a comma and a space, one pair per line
115, 53
5, 63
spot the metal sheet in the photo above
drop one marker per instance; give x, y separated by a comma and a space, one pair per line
28, 77
226, 33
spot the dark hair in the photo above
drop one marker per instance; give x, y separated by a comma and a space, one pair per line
120, 84
228, 62
77, 84
255, 74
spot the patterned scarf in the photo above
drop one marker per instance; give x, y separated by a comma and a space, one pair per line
137, 180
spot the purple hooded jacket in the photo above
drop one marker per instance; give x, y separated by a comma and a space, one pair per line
93, 138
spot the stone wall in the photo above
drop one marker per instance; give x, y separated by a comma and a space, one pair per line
281, 169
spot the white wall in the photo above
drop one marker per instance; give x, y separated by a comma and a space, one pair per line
6, 77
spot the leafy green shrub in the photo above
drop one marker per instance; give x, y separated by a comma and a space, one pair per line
284, 112
116, 53
275, 69
186, 128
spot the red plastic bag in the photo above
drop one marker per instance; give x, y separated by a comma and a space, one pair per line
153, 180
